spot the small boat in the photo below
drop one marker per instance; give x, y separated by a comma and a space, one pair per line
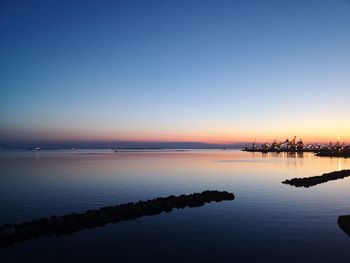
37, 148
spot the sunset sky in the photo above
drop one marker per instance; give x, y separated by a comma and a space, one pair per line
204, 71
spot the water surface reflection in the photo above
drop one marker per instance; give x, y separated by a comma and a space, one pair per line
267, 222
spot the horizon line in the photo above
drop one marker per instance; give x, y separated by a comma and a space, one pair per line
104, 144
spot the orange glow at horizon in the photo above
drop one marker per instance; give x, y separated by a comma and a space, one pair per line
213, 136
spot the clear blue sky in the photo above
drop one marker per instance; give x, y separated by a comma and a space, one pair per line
212, 71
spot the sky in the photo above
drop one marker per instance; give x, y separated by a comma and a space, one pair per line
174, 71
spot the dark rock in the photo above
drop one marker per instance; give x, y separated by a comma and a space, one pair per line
344, 224
8, 231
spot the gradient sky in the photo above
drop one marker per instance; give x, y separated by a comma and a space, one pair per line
209, 71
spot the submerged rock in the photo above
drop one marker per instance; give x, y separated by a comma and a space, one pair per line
70, 223
315, 180
344, 224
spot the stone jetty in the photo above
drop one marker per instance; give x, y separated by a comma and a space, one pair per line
315, 180
70, 223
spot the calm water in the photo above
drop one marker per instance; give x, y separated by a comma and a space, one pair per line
268, 221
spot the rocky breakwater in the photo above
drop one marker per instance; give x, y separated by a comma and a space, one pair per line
70, 223
315, 180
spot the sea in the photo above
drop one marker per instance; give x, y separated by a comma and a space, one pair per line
266, 222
